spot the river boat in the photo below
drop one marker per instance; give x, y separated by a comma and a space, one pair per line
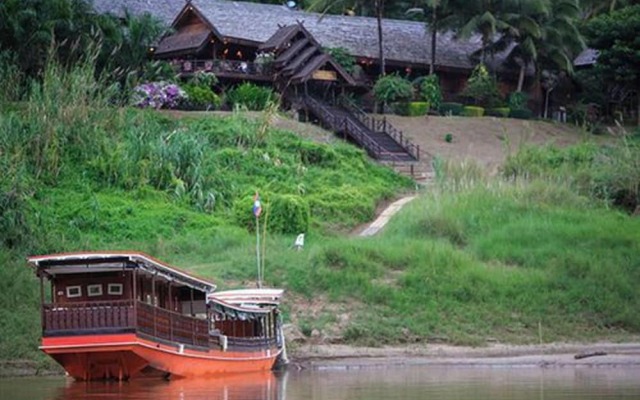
124, 315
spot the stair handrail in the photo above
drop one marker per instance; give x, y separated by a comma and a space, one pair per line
350, 128
384, 126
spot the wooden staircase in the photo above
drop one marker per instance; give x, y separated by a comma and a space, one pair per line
381, 140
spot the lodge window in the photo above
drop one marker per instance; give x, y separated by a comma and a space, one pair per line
94, 290
115, 289
74, 291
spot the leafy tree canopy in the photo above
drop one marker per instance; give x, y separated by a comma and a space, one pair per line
615, 36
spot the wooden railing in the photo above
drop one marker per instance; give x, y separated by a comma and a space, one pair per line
225, 67
250, 343
382, 125
121, 316
343, 123
172, 326
136, 316
95, 315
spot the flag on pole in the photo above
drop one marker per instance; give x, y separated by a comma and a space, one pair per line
257, 207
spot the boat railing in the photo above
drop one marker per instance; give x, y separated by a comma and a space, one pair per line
172, 326
250, 343
94, 315
138, 316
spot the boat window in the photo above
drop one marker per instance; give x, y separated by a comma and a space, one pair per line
115, 289
74, 291
94, 290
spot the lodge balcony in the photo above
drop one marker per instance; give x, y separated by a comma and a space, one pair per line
147, 321
231, 69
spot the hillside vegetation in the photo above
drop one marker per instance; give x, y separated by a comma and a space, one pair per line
538, 254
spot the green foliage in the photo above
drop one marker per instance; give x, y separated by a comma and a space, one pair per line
448, 138
13, 78
614, 35
518, 100
430, 91
201, 97
418, 108
287, 214
482, 88
392, 88
609, 174
251, 96
451, 108
524, 113
500, 112
411, 109
204, 79
343, 58
472, 111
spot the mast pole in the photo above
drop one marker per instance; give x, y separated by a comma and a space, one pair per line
258, 251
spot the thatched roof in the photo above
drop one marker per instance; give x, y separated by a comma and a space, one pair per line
405, 42
191, 38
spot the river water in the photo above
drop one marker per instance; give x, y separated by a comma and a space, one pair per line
447, 383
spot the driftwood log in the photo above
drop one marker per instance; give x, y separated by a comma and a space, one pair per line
590, 354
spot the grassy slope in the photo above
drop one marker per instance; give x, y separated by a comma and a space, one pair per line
469, 261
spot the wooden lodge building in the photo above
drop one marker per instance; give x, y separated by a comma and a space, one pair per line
232, 39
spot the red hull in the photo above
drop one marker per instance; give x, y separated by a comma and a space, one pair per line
125, 356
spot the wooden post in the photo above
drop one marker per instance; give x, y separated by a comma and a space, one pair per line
170, 313
134, 294
153, 304
42, 319
191, 305
384, 124
418, 152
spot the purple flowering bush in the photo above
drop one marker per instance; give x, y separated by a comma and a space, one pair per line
158, 95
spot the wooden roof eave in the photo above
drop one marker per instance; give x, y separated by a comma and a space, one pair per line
190, 7
124, 260
185, 50
274, 44
304, 76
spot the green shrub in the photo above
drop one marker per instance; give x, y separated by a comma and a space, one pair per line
430, 92
342, 57
473, 111
201, 97
251, 96
522, 113
518, 100
418, 108
288, 214
500, 112
411, 109
482, 88
451, 108
392, 88
448, 138
283, 213
401, 108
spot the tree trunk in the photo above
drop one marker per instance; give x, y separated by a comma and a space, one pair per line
379, 6
638, 116
523, 69
434, 37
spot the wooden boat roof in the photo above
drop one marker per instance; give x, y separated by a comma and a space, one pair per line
84, 262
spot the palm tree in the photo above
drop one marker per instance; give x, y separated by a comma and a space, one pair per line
485, 17
378, 9
437, 11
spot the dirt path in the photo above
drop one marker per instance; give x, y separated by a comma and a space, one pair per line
384, 217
